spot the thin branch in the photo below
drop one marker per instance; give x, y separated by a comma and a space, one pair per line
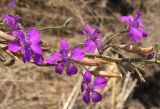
66, 23
77, 45
106, 47
112, 36
120, 60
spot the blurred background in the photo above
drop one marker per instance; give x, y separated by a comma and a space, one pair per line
27, 86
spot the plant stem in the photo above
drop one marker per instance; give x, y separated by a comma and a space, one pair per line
120, 60
66, 23
47, 28
116, 34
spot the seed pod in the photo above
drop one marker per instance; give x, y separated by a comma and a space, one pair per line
5, 36
92, 62
108, 74
133, 49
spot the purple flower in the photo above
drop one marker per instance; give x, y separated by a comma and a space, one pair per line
151, 55
63, 58
93, 39
13, 22
136, 27
29, 44
12, 4
89, 88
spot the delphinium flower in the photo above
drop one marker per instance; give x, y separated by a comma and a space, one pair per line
64, 60
93, 39
13, 22
90, 89
29, 44
136, 29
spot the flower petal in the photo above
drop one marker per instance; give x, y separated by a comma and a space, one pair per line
99, 44
138, 20
26, 55
96, 35
144, 33
87, 77
34, 38
134, 34
59, 68
85, 32
54, 58
71, 69
34, 35
100, 82
86, 97
96, 97
19, 34
83, 86
89, 28
77, 54
14, 46
36, 48
127, 19
38, 59
64, 45
89, 46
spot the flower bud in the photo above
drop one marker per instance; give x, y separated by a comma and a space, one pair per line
150, 56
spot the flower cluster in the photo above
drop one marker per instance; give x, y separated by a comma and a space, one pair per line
28, 44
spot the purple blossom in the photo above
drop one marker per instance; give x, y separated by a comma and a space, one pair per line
64, 60
136, 27
151, 55
12, 4
29, 44
90, 88
93, 39
13, 22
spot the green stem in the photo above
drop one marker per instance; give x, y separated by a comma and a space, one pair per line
2, 23
47, 28
66, 23
106, 47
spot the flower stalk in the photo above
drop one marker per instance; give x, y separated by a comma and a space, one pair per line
26, 45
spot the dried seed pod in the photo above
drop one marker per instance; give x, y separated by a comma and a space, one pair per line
102, 61
108, 74
93, 61
133, 49
88, 62
7, 37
